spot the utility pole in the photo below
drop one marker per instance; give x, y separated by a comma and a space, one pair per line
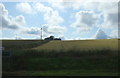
41, 33
42, 27
16, 36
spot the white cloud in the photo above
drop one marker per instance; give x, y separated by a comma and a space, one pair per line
19, 19
85, 20
47, 30
51, 16
57, 29
56, 3
31, 31
110, 12
108, 9
9, 38
54, 30
41, 8
3, 10
25, 8
9, 22
64, 4
18, 37
77, 4
114, 34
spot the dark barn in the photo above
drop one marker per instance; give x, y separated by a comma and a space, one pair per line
52, 38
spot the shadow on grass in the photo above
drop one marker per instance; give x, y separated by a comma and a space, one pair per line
32, 60
22, 44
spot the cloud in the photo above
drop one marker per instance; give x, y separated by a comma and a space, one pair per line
100, 34
56, 29
31, 31
9, 22
56, 3
51, 16
19, 19
109, 10
25, 8
111, 21
47, 30
78, 4
64, 4
18, 37
3, 11
114, 34
85, 20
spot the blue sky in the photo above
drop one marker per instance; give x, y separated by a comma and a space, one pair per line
67, 20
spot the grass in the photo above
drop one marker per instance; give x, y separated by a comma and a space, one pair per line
21, 44
55, 61
58, 60
62, 73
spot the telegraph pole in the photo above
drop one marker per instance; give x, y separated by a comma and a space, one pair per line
41, 33
16, 36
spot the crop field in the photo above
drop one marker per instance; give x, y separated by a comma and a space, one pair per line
61, 58
80, 45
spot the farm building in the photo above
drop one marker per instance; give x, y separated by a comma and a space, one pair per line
52, 38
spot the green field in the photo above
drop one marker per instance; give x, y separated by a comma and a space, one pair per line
61, 58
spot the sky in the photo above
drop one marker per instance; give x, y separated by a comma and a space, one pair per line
68, 20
